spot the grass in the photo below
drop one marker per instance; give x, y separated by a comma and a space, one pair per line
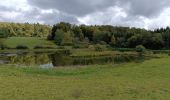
91, 53
148, 80
30, 42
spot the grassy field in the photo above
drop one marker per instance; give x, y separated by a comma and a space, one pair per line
149, 80
30, 42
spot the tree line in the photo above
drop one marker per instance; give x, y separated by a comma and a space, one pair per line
69, 34
24, 30
118, 37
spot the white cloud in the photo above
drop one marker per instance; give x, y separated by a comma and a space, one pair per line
163, 20
112, 15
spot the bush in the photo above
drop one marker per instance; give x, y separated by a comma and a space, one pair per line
67, 44
103, 43
43, 47
124, 49
99, 47
91, 47
65, 51
49, 37
21, 47
61, 47
80, 45
2, 47
140, 49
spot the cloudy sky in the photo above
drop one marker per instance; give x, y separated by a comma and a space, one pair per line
147, 14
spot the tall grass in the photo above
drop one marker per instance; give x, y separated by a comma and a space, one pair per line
105, 59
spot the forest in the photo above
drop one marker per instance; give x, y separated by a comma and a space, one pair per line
117, 37
24, 30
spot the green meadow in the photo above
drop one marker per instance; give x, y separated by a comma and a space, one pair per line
148, 80
30, 42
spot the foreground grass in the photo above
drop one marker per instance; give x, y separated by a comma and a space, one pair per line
132, 81
30, 42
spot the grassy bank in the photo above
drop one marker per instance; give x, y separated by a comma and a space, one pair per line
132, 81
30, 42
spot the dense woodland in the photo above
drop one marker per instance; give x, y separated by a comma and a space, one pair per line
77, 35
24, 29
119, 37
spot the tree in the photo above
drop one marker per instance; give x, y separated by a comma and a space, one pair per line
98, 36
4, 33
134, 41
65, 27
59, 35
157, 41
166, 38
78, 33
113, 41
67, 39
89, 31
26, 29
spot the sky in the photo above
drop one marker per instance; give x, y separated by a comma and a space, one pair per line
148, 14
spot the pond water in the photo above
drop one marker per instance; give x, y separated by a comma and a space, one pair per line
56, 58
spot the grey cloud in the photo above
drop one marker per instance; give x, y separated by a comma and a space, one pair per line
75, 7
35, 14
145, 8
55, 17
6, 9
48, 18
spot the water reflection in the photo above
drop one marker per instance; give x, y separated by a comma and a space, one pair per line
61, 59
25, 58
54, 59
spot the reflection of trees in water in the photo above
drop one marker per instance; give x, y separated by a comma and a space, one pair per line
59, 59
30, 59
2, 46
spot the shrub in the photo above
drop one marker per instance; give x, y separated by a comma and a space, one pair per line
99, 47
65, 51
91, 47
21, 47
67, 44
43, 47
77, 94
80, 45
103, 43
140, 49
49, 37
61, 47
124, 49
2, 47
